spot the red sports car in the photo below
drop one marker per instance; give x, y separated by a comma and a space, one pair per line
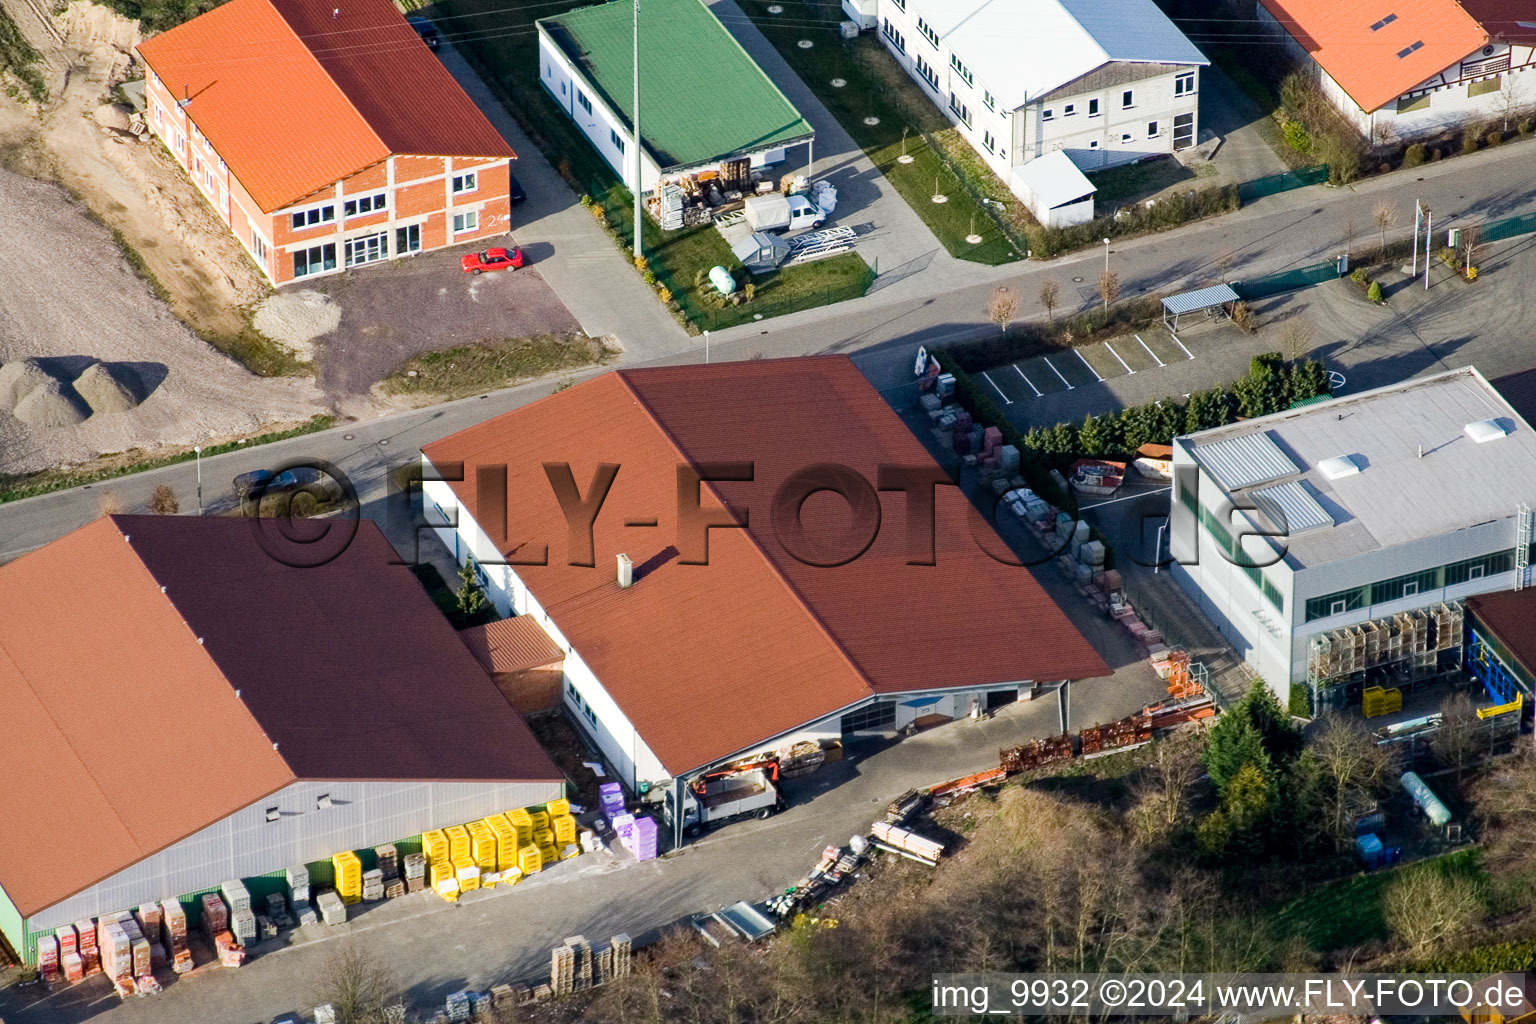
492, 259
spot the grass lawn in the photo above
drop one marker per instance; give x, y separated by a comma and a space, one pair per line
1130, 182
878, 88
1348, 913
474, 369
499, 40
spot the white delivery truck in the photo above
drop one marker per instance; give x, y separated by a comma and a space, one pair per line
723, 796
777, 213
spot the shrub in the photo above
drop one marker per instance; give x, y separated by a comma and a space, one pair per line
1357, 275
1374, 293
750, 290
1413, 155
1342, 154
1168, 212
1436, 153
1471, 273
586, 201
1469, 143
1495, 138
1296, 136
1525, 127
664, 294
649, 277
700, 276
642, 264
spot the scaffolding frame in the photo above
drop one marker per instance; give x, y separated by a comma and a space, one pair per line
1407, 646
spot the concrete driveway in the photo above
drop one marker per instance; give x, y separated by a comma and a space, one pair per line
1230, 113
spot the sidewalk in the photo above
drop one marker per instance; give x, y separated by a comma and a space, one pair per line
578, 259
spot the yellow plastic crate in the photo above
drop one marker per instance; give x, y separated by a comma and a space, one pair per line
506, 841
349, 876
468, 874
538, 819
564, 827
443, 872
548, 855
543, 837
482, 845
521, 821
458, 842
557, 808
529, 860
435, 845
511, 876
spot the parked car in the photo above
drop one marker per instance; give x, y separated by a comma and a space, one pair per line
300, 478
425, 29
492, 259
515, 190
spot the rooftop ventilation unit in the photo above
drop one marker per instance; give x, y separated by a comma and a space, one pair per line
626, 572
1485, 430
1339, 467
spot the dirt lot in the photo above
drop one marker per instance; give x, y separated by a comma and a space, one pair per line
66, 294
392, 312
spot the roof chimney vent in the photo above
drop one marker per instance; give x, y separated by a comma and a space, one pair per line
626, 572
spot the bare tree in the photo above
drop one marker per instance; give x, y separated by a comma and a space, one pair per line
1353, 766
1295, 341
1471, 241
108, 504
1511, 99
1003, 306
1224, 261
1426, 908
162, 501
1505, 805
1109, 287
357, 984
1384, 215
1049, 292
1350, 231
1458, 741
1166, 780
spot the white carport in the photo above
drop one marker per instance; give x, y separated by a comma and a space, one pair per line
1056, 192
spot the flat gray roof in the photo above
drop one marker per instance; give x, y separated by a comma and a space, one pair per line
1200, 298
1398, 496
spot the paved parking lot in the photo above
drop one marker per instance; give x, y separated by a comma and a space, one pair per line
1070, 369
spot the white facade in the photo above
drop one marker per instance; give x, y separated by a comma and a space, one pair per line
1099, 110
1496, 80
357, 815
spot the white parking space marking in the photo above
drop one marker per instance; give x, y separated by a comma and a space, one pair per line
1117, 357
1179, 343
1088, 364
1057, 372
1026, 379
1005, 398
1149, 351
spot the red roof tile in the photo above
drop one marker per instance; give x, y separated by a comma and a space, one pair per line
295, 99
709, 660
125, 733
1419, 39
512, 645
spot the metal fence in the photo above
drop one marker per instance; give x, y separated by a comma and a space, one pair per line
1523, 224
1282, 182
1286, 280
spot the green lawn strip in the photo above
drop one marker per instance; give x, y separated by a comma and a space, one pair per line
877, 88
29, 485
1130, 182
1348, 913
488, 365
503, 48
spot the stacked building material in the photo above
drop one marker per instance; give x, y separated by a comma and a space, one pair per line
243, 924
458, 842
638, 834
387, 859
348, 876
467, 873
394, 888
148, 919
325, 1013
116, 948
894, 836
506, 841
48, 958
306, 913
142, 962
458, 1007
229, 951
333, 910
373, 885
434, 847
415, 866
1376, 701
173, 935
530, 860
90, 954
298, 885
482, 845
215, 914
612, 796
1036, 754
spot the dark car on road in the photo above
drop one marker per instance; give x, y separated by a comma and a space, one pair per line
425, 29
515, 190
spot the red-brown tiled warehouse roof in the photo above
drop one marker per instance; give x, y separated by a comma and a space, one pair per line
295, 96
124, 644
709, 660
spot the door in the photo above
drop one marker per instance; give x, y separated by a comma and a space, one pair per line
1183, 131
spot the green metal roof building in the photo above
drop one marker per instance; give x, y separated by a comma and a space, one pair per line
703, 99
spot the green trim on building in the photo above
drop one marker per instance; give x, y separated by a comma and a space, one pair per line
12, 926
1398, 587
704, 97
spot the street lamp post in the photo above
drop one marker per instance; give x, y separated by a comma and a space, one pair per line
199, 450
706, 346
1106, 255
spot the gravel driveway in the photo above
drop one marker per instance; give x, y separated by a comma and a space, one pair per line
391, 312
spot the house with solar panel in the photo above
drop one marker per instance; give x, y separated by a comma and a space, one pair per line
1104, 81
703, 101
1335, 544
1400, 68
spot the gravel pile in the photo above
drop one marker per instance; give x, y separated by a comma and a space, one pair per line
54, 404
296, 319
18, 379
106, 388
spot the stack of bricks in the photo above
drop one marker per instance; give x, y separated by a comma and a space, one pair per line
173, 933
148, 918
415, 872
373, 885
90, 953
48, 958
70, 963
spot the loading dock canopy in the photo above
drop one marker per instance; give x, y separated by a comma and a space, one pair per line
1213, 299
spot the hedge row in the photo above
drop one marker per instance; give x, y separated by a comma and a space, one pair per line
1145, 218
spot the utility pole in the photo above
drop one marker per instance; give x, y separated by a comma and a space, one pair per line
639, 146
1429, 234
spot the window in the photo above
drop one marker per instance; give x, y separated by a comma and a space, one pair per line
315, 215
1069, 110
466, 182
1272, 592
1335, 604
159, 115
1383, 23
315, 259
988, 100
1127, 99
988, 141
181, 143
463, 222
1125, 137
407, 239
928, 32
367, 249
929, 75
581, 98
1093, 143
323, 802
613, 137
960, 109
960, 69
1047, 115
1405, 51
1477, 568
1485, 87
1184, 83
1093, 108
363, 204
1405, 586
897, 39
273, 814
1151, 129
879, 715
1407, 103
258, 248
